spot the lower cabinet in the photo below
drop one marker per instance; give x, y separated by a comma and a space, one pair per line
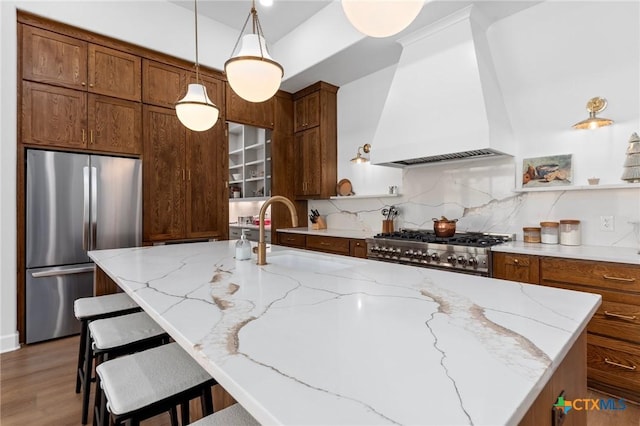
613, 339
335, 245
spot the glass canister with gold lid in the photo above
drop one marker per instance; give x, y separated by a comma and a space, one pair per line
549, 232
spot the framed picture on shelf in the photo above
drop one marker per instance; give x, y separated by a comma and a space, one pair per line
553, 170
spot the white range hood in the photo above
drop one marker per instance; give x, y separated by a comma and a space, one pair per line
444, 102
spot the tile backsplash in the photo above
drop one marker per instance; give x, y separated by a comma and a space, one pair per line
480, 194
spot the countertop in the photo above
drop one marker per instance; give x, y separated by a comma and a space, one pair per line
342, 233
313, 338
604, 254
236, 225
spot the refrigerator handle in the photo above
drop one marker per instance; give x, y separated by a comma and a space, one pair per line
56, 273
94, 207
85, 210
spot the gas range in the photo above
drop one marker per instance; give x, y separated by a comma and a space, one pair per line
466, 252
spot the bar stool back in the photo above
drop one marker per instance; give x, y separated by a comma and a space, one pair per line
139, 386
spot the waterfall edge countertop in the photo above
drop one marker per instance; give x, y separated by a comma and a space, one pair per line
313, 338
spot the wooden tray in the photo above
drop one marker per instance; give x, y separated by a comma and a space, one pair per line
344, 188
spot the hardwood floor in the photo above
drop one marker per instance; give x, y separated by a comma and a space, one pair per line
37, 388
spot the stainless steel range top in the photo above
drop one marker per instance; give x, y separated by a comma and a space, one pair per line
466, 252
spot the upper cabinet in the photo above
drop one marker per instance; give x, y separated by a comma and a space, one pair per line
59, 60
315, 117
163, 84
259, 114
307, 112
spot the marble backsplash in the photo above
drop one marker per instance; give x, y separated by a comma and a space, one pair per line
481, 195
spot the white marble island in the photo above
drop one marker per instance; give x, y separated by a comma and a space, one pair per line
313, 338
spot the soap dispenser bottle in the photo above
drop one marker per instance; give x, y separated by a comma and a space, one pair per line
243, 247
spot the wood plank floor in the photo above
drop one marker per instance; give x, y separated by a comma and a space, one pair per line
37, 388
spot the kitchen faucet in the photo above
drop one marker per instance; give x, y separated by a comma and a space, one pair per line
262, 246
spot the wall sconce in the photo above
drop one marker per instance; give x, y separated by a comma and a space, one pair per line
359, 159
594, 106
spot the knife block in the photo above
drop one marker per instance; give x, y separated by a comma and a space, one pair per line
320, 224
387, 226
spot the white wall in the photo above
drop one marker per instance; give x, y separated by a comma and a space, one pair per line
157, 25
550, 59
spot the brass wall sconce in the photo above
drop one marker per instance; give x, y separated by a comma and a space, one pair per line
594, 106
359, 159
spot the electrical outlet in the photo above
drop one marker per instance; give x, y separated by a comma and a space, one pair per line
606, 223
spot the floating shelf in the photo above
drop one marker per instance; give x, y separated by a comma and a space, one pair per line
251, 163
255, 146
360, 197
579, 187
236, 151
237, 166
235, 181
254, 179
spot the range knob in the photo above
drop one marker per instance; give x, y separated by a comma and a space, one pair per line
435, 257
462, 260
375, 249
451, 259
408, 253
473, 262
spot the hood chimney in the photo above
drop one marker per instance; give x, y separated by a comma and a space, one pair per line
444, 102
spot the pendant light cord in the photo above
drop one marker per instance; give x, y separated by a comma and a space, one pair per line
195, 2
255, 22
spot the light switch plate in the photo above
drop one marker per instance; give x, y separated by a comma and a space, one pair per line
607, 223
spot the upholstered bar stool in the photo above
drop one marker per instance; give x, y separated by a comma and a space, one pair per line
233, 415
116, 336
87, 309
142, 385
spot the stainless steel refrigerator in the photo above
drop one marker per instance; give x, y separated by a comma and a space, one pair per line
74, 203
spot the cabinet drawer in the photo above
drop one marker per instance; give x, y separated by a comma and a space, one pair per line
516, 267
292, 240
328, 244
597, 274
613, 363
619, 320
358, 248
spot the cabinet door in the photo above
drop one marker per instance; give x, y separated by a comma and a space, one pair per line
53, 115
163, 85
53, 58
307, 112
163, 175
240, 111
215, 91
207, 202
516, 267
115, 125
309, 163
114, 73
358, 248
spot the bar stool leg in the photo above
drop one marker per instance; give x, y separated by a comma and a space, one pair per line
81, 354
87, 377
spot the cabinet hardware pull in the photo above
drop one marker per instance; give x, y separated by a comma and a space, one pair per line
189, 175
609, 277
182, 174
632, 368
290, 239
322, 243
516, 261
90, 84
83, 84
90, 136
611, 314
84, 136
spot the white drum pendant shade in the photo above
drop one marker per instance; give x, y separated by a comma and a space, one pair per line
196, 111
252, 73
381, 18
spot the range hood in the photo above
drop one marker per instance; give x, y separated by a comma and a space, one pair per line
444, 102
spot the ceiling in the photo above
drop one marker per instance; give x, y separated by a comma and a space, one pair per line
360, 59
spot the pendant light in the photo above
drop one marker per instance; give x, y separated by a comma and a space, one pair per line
594, 106
381, 18
252, 73
195, 110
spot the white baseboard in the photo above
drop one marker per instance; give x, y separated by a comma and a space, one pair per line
9, 342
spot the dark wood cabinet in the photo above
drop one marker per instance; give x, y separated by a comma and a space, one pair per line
163, 175
516, 267
316, 145
115, 125
309, 163
163, 85
307, 112
53, 58
183, 175
53, 116
114, 73
328, 244
613, 338
238, 110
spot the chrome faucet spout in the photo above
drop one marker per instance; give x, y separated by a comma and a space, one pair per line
262, 246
